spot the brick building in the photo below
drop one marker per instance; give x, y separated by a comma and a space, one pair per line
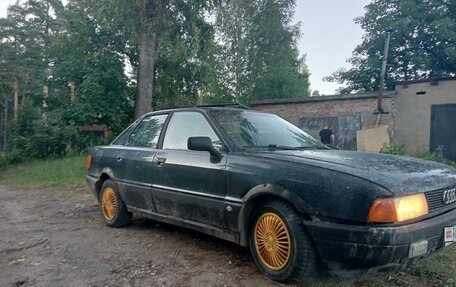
421, 114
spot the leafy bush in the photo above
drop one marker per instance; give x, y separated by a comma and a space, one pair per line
13, 157
51, 136
398, 149
436, 156
395, 148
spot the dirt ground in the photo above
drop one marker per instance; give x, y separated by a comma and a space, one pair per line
57, 238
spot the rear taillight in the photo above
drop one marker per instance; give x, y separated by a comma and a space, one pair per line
89, 161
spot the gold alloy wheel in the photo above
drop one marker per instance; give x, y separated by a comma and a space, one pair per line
109, 203
272, 241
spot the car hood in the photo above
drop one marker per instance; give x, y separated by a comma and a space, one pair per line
399, 174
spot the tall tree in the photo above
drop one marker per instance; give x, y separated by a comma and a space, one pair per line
87, 55
233, 24
13, 35
146, 25
30, 28
423, 43
149, 12
258, 50
185, 65
45, 47
276, 68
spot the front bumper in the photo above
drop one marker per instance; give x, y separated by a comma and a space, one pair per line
348, 250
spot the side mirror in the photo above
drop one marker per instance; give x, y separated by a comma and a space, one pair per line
203, 144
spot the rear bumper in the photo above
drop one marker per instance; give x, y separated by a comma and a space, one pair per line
348, 250
92, 183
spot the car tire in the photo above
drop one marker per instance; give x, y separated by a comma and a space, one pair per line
113, 209
280, 245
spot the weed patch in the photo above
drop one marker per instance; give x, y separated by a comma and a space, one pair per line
68, 172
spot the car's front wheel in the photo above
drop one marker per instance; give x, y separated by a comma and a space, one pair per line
113, 209
280, 245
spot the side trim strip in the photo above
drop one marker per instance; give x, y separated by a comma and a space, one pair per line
179, 190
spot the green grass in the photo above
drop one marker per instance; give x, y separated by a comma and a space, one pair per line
437, 271
68, 172
442, 266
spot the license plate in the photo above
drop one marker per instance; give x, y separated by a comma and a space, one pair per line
449, 235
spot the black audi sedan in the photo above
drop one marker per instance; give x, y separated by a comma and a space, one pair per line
254, 179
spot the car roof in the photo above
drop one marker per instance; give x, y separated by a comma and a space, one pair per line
234, 107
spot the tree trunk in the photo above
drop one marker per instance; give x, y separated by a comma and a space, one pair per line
2, 134
16, 97
5, 125
147, 55
23, 101
72, 91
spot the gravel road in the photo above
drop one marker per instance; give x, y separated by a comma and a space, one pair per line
57, 238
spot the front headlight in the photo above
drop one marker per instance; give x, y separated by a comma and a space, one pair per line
397, 209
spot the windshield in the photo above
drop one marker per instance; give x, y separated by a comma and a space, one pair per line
253, 130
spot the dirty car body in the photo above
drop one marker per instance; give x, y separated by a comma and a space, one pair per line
224, 171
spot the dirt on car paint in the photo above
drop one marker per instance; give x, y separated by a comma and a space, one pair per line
57, 238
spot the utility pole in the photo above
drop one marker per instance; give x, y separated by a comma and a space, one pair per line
381, 87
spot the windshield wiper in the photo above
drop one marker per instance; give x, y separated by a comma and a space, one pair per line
280, 147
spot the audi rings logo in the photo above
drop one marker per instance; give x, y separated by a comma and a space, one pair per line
449, 196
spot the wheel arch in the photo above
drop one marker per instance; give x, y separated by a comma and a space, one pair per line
105, 175
264, 193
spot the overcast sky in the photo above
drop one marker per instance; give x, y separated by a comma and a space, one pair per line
329, 35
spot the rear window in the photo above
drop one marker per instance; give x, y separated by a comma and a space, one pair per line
147, 133
123, 137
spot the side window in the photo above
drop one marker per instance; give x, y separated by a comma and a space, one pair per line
184, 125
147, 132
122, 139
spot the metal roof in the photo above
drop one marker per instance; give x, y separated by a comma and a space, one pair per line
387, 94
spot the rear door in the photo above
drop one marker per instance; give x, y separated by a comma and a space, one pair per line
136, 159
189, 184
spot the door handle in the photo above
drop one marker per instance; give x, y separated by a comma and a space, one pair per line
160, 160
119, 158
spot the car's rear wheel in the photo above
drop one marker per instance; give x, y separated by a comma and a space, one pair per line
280, 244
113, 209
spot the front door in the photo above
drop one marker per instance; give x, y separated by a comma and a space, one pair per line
443, 130
189, 184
